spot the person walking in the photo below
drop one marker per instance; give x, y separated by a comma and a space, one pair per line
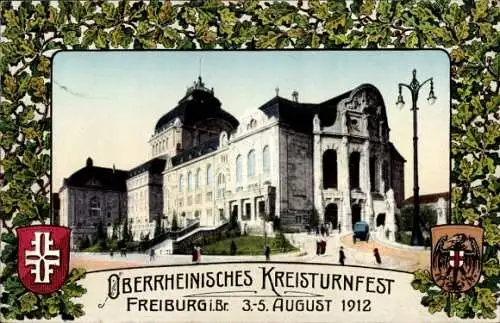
318, 246
194, 254
323, 245
151, 255
377, 256
198, 252
341, 256
233, 248
267, 252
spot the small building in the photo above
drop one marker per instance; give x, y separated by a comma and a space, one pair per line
440, 202
93, 197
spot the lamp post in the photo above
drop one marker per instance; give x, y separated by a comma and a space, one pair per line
414, 87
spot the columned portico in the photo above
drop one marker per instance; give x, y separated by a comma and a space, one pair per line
346, 217
318, 169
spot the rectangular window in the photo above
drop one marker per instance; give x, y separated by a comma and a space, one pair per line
248, 211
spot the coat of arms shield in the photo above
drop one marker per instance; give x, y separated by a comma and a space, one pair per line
456, 257
43, 257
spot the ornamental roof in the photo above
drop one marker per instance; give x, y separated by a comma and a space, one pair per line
198, 103
100, 178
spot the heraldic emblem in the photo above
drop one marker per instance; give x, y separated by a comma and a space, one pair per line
456, 257
43, 257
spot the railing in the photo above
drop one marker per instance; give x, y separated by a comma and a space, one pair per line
172, 235
181, 245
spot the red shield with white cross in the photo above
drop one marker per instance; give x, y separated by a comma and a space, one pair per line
43, 257
456, 258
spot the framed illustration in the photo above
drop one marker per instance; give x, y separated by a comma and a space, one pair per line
247, 160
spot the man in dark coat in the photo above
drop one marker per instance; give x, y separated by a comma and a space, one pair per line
341, 256
377, 256
194, 254
267, 252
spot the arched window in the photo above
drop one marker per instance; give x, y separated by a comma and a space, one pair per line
251, 163
181, 183
265, 160
385, 175
354, 159
209, 175
330, 169
239, 175
190, 181
95, 207
221, 180
197, 180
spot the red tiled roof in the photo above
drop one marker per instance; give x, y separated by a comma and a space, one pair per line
428, 198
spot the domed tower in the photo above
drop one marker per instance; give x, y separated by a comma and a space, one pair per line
197, 118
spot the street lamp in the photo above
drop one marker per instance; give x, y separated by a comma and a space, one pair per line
414, 87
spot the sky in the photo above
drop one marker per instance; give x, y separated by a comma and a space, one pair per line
106, 104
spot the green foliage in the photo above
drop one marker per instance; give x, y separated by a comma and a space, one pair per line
175, 225
428, 217
34, 31
233, 221
85, 243
314, 219
246, 245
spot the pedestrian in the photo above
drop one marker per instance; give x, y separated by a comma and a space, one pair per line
353, 238
318, 246
339, 227
267, 252
233, 248
317, 230
377, 256
151, 255
341, 256
199, 252
323, 246
194, 254
322, 230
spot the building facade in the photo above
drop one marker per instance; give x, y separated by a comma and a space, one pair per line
92, 198
285, 159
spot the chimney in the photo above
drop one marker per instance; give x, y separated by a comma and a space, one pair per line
295, 96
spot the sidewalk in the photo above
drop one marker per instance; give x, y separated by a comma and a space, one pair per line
421, 258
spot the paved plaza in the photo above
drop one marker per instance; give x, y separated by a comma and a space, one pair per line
359, 254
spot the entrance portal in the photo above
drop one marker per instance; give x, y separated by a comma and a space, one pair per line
356, 214
331, 215
380, 219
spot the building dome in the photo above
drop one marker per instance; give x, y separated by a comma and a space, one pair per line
199, 103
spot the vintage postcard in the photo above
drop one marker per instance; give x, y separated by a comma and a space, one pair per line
326, 179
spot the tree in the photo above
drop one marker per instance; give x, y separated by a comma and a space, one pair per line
233, 221
114, 236
233, 248
84, 243
158, 226
314, 219
428, 218
175, 225
101, 233
126, 236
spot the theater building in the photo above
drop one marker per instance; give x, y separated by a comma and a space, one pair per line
285, 159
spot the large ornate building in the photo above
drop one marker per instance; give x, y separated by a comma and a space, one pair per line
285, 159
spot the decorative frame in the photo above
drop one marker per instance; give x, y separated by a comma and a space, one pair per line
33, 31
